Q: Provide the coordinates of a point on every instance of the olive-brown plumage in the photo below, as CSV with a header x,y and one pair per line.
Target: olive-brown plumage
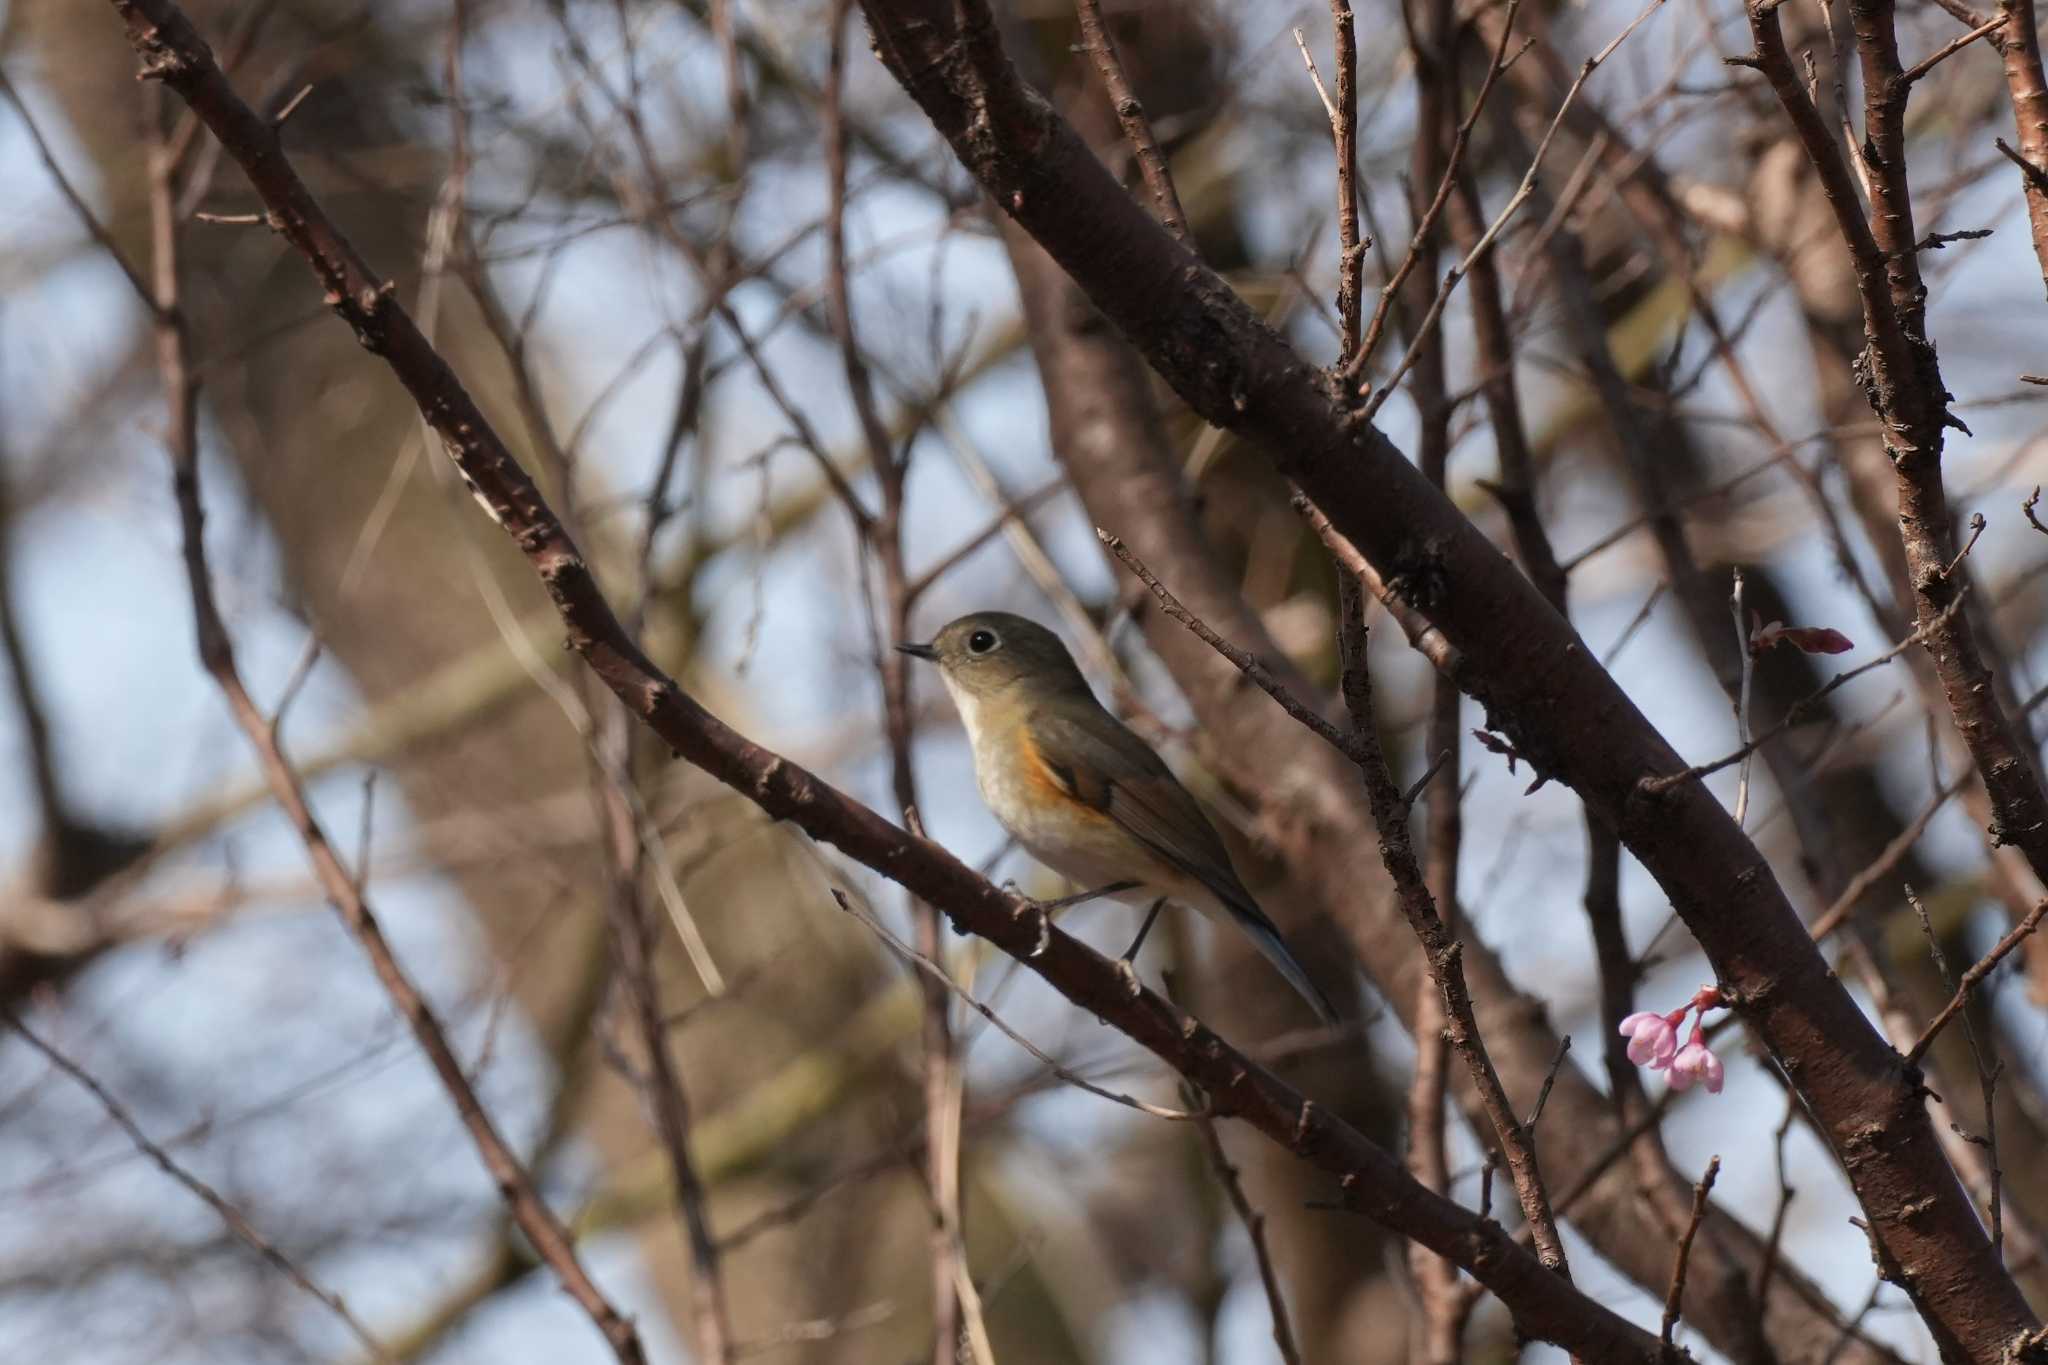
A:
x,y
1079,790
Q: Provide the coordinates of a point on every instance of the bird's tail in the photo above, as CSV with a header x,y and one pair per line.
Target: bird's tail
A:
x,y
1265,936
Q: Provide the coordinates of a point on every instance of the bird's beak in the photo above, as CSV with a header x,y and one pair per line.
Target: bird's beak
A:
x,y
918,651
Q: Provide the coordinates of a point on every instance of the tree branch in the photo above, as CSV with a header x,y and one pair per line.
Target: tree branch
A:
x,y
1540,684
1373,1182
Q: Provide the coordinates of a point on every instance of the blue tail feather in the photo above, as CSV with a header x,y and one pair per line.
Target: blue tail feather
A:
x,y
1266,938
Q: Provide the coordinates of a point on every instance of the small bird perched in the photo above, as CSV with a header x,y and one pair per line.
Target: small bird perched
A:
x,y
1081,792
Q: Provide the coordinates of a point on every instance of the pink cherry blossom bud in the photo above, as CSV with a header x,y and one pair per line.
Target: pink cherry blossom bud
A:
x,y
1816,639
1652,1039
1695,1062
1812,639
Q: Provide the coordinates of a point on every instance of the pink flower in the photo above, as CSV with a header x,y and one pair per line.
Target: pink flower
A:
x,y
1653,1042
1652,1039
1695,1062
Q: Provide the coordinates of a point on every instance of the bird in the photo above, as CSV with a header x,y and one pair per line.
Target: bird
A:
x,y
1082,793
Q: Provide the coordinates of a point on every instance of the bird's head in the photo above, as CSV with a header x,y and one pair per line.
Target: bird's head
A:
x,y
989,653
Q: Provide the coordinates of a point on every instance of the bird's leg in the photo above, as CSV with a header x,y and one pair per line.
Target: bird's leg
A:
x,y
1127,964
1079,897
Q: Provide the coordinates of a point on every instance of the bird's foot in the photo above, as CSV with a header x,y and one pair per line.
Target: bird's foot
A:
x,y
1128,970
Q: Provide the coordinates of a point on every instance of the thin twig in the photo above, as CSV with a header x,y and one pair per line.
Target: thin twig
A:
x,y
1500,220
940,974
1774,1243
1635,623
86,218
1973,977
1246,663
1254,1226
1013,511
1952,47
1435,766
2036,177
1890,857
1747,647
1440,950
1988,1070
1676,1294
237,1223
1977,524
1798,711
1131,114
1344,135
955,1310
1355,362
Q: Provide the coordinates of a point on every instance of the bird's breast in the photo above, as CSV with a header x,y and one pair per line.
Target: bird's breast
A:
x,y
1028,799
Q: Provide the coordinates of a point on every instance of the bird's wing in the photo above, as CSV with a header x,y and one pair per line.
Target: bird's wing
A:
x,y
1102,764
1106,767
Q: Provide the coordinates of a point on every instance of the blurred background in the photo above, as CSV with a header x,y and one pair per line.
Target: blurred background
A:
x,y
629,258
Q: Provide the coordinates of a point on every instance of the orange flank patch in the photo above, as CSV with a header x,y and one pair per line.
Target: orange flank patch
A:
x,y
1036,777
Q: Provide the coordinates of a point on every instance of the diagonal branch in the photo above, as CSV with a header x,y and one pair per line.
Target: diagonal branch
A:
x,y
1373,1182
1540,683
550,1239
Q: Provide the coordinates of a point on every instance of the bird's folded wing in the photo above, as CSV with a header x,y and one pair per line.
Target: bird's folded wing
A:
x,y
1105,766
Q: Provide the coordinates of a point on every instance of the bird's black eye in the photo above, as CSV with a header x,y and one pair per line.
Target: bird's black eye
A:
x,y
982,641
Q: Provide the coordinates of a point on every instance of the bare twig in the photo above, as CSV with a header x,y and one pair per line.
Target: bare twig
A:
x,y
1881,866
1500,220
937,973
1974,976
2037,178
1344,135
237,1222
955,1308
1976,529
1635,623
1444,1307
291,106
1436,765
1440,949
1748,648
1354,363
1247,664
86,218
1254,1226
1774,1243
1013,511
1795,713
1952,47
1988,1070
1676,1294
1131,114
